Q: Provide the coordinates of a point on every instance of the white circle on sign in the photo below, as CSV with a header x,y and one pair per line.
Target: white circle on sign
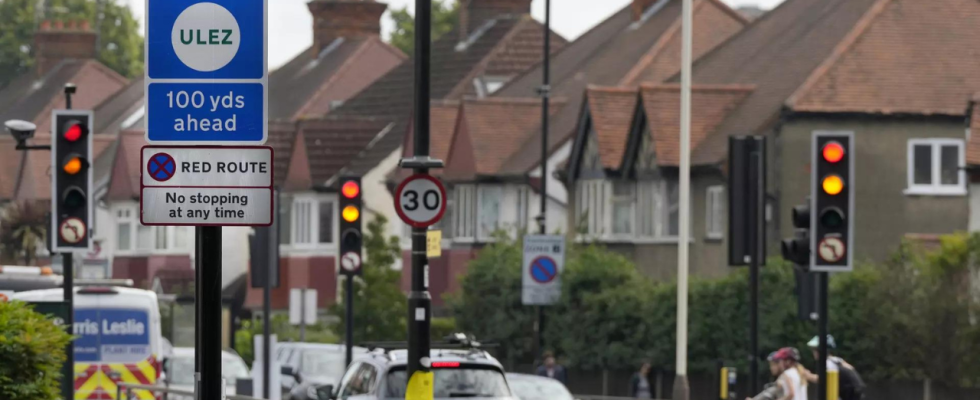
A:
x,y
831,249
420,200
206,37
72,230
350,261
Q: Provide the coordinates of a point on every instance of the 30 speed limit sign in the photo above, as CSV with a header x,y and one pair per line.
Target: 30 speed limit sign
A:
x,y
420,200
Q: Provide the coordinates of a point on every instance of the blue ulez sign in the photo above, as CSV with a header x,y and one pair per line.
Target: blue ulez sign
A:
x,y
111,335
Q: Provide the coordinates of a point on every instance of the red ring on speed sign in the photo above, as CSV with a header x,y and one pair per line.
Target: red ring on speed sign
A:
x,y
398,201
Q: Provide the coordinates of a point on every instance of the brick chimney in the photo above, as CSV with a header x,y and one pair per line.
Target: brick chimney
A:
x,y
641,6
474,13
60,41
344,18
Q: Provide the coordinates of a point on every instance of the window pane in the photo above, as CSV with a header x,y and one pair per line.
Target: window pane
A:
x,y
144,237
622,218
489,210
182,235
285,220
326,222
161,237
949,173
673,209
923,165
124,236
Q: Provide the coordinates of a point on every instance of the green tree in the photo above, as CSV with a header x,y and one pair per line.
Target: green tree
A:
x,y
379,303
445,16
32,348
23,230
120,45
284,331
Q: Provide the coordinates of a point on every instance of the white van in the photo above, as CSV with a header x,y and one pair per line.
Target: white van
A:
x,y
118,337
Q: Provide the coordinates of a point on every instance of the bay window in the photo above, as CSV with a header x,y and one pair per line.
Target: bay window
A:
x,y
464,217
618,210
307,221
623,205
489,206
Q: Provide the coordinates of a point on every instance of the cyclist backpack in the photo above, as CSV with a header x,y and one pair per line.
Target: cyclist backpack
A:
x,y
851,384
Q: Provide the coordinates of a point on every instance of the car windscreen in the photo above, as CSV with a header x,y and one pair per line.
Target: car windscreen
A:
x,y
464,380
534,388
322,363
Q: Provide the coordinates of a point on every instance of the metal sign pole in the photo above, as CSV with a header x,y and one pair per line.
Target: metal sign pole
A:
x,y
68,271
543,218
822,332
349,317
207,354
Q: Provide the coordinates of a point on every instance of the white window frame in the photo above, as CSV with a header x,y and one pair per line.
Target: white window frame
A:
x,y
660,213
590,204
169,238
481,190
936,188
130,220
312,223
714,213
630,202
464,216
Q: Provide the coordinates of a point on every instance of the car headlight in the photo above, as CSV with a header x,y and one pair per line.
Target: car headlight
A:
x,y
311,393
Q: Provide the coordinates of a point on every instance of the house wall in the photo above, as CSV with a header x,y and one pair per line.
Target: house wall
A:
x,y
884,212
974,224
378,200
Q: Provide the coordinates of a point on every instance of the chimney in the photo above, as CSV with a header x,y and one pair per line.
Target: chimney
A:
x,y
344,18
54,44
640,6
473,14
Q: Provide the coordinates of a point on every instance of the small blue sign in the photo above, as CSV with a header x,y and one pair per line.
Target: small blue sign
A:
x,y
544,269
207,71
205,112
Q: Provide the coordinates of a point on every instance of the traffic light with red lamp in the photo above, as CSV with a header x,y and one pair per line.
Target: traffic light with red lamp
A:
x,y
71,181
832,213
350,226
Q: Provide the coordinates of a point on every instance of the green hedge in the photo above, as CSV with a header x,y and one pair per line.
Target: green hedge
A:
x,y
32,350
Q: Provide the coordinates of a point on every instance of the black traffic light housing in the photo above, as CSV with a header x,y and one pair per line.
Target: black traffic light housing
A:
x,y
71,181
797,248
351,214
832,213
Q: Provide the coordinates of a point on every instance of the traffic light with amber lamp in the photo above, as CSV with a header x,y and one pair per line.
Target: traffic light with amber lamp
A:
x,y
350,226
71,181
832,212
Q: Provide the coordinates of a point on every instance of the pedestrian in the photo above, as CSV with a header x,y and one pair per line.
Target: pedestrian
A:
x,y
792,377
849,382
552,369
772,390
640,383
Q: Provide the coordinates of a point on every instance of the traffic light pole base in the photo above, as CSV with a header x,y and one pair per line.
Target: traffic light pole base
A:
x,y
682,391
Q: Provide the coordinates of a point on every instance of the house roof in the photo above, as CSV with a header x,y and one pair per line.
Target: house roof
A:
x,y
442,125
973,139
332,142
777,53
491,130
499,47
124,178
710,104
617,52
299,82
902,57
114,114
611,111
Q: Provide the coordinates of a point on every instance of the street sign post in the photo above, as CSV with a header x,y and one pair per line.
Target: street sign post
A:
x,y
302,309
206,186
207,71
420,200
544,259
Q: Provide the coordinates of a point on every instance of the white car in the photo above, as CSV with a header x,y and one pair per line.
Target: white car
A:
x,y
180,370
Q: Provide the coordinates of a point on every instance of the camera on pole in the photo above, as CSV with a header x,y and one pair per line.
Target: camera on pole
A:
x,y
71,176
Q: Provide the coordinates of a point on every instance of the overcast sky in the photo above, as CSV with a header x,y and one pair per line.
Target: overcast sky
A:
x,y
290,23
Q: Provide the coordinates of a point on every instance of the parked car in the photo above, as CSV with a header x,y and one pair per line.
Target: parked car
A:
x,y
381,374
308,365
180,370
533,387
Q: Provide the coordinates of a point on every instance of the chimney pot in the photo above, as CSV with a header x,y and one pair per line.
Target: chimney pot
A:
x,y
84,25
640,6
59,25
474,13
52,46
333,19
46,25
72,25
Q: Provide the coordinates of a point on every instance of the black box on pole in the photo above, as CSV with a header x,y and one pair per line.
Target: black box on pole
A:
x,y
742,199
264,251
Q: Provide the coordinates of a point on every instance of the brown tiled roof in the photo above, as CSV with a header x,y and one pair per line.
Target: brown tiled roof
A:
x,y
442,125
902,57
616,51
493,129
282,137
124,181
344,68
31,98
777,53
113,111
332,142
453,70
710,104
611,110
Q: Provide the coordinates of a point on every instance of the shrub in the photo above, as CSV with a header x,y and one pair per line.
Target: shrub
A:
x,y
32,348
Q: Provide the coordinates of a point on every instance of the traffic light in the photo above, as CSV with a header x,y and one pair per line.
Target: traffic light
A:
x,y
71,181
832,214
797,248
350,225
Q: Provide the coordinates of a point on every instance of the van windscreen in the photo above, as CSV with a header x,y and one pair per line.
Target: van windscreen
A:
x,y
112,335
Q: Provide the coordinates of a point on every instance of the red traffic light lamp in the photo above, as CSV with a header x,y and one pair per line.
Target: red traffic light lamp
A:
x,y
75,131
350,189
833,152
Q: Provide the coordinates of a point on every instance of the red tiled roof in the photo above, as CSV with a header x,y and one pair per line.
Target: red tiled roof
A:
x,y
710,105
124,181
902,57
611,110
442,125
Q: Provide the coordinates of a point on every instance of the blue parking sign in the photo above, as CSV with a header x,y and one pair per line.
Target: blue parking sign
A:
x,y
207,72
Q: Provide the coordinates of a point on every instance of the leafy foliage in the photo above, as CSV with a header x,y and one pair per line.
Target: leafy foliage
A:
x,y
120,45
23,231
379,305
284,331
32,348
445,15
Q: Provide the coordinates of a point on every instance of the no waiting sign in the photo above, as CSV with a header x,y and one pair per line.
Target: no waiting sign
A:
x,y
544,259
